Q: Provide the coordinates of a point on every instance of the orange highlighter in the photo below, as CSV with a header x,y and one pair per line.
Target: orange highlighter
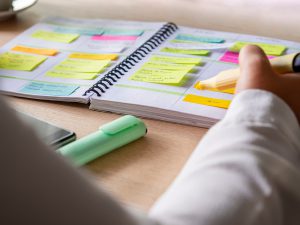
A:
x,y
227,79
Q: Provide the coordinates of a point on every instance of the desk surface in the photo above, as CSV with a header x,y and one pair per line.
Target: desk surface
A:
x,y
141,171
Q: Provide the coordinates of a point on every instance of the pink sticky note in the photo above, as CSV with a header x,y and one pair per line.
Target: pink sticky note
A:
x,y
233,57
113,38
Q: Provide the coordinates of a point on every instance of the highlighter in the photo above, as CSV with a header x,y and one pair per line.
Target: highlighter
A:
x,y
227,79
109,137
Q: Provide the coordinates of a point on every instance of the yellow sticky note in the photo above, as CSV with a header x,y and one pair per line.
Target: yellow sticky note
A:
x,y
39,51
158,76
215,102
78,55
12,61
177,60
86,66
269,49
54,36
186,51
168,66
71,75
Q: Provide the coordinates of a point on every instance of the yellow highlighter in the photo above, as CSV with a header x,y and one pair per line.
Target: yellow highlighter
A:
x,y
227,79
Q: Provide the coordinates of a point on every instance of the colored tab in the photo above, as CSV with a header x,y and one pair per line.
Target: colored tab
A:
x,y
38,88
178,60
215,102
86,66
71,75
269,49
168,66
158,76
188,37
39,51
123,32
79,55
113,38
233,57
186,51
12,61
78,30
54,36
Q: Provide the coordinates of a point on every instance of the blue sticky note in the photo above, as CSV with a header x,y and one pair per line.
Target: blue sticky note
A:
x,y
123,32
38,88
187,37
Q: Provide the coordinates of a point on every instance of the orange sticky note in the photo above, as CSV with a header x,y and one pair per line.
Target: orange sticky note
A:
x,y
39,51
78,55
220,103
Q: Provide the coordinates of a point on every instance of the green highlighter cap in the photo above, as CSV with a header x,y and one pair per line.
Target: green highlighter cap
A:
x,y
109,137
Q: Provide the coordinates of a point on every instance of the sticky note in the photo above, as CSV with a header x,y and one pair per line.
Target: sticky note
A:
x,y
54,36
269,49
39,51
178,60
87,66
188,37
71,75
79,55
23,62
123,32
113,38
77,30
186,51
215,102
168,66
38,88
233,57
158,76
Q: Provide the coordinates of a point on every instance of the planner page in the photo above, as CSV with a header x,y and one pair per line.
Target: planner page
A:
x,y
60,58
162,84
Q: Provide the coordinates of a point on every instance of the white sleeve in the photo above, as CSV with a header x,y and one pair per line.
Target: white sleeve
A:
x,y
244,171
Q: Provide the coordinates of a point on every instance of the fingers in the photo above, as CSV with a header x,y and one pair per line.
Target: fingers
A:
x,y
255,70
254,62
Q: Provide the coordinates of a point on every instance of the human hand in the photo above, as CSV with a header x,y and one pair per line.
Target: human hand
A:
x,y
257,73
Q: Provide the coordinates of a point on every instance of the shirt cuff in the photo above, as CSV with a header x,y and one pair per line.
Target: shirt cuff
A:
x,y
262,107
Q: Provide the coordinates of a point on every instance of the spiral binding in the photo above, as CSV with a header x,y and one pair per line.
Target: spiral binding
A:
x,y
123,67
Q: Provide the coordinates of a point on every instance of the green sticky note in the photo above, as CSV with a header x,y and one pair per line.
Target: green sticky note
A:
x,y
23,62
54,36
177,60
159,76
193,38
71,75
39,88
168,66
269,49
82,65
123,32
186,51
78,30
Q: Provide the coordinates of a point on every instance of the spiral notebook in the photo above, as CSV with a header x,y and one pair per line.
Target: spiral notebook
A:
x,y
127,67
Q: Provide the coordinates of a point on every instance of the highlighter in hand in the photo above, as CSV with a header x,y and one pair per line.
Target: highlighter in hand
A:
x,y
227,79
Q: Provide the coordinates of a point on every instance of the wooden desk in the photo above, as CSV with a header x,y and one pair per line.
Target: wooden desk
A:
x,y
141,171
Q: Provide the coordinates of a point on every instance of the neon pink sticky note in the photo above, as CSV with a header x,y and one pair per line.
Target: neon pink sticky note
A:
x,y
113,38
233,57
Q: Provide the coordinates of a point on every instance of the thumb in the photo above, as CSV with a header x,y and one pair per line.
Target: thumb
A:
x,y
253,61
255,68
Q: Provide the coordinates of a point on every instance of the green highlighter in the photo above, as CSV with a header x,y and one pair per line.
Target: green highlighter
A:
x,y
109,137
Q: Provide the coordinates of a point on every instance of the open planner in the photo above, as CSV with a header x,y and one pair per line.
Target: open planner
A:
x,y
128,67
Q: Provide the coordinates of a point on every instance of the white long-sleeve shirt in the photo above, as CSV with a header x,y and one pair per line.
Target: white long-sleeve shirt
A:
x,y
244,171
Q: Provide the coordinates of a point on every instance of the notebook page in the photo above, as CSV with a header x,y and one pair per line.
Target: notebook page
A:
x,y
60,58
146,85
